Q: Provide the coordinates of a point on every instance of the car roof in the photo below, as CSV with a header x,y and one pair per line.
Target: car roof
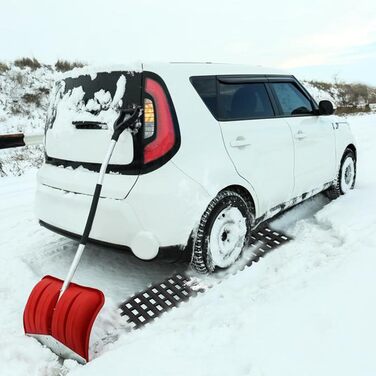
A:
x,y
185,68
209,68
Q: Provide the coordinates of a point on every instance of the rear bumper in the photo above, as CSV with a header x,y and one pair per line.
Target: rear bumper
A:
x,y
171,254
155,219
68,211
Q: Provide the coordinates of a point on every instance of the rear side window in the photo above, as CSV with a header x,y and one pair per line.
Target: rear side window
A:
x,y
206,88
244,101
291,100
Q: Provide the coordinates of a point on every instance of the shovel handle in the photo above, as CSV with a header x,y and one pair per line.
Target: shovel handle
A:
x,y
90,219
120,125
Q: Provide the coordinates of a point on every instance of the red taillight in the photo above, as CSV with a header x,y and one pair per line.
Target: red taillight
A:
x,y
165,136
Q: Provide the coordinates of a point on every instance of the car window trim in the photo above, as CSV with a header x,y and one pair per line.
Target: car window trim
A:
x,y
266,79
241,78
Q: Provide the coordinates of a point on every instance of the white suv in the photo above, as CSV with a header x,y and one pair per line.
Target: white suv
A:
x,y
221,149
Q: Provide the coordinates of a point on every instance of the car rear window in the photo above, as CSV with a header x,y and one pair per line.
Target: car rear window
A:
x,y
244,101
107,83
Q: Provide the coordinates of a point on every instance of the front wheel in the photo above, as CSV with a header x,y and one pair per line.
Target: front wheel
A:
x,y
346,177
223,232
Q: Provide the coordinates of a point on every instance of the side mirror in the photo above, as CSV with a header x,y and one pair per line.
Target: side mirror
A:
x,y
326,108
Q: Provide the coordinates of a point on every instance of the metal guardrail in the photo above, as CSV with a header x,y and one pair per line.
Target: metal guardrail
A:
x,y
15,140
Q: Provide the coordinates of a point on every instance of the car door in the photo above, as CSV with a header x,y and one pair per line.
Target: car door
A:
x,y
259,144
313,136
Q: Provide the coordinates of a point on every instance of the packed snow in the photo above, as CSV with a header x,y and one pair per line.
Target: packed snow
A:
x,y
305,309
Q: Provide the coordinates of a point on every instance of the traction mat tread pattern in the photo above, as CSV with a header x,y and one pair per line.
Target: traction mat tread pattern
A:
x,y
152,302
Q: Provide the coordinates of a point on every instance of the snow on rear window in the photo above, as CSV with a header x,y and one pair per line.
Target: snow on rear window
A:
x,y
91,98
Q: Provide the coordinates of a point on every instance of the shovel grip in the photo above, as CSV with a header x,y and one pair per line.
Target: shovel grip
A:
x,y
90,219
91,216
97,194
84,239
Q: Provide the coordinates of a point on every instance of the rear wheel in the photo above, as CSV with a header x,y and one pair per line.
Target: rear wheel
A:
x,y
346,177
223,232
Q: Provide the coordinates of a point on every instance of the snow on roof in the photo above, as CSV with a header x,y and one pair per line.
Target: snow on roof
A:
x,y
187,67
92,70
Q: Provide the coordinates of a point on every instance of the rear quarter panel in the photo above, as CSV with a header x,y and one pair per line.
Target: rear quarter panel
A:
x,y
202,154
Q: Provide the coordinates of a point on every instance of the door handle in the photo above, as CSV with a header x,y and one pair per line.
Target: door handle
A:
x,y
239,142
300,135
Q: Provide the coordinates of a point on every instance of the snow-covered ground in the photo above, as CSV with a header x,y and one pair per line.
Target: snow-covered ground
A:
x,y
24,98
23,105
307,308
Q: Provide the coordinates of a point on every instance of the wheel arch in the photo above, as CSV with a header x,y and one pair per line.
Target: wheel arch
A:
x,y
352,148
244,192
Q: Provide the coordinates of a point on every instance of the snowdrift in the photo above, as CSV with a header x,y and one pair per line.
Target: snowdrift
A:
x,y
306,309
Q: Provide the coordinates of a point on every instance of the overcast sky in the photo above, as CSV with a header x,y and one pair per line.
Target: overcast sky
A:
x,y
313,39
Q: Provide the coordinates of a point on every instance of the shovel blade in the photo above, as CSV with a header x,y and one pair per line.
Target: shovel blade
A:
x,y
63,325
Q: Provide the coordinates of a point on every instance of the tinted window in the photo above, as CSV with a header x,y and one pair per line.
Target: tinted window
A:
x,y
291,99
206,88
244,101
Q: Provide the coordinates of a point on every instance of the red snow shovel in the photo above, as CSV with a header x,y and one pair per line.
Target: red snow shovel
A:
x,y
60,314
